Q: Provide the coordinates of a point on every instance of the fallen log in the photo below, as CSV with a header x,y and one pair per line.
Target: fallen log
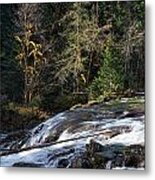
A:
x,y
107,134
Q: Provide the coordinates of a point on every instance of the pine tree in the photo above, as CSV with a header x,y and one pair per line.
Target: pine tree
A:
x,y
11,83
80,34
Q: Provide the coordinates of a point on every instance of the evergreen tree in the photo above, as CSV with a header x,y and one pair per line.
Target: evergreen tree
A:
x,y
11,79
80,35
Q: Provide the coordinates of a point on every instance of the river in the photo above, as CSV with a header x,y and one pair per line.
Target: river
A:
x,y
84,137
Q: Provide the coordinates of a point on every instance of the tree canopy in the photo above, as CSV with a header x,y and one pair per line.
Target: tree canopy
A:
x,y
53,53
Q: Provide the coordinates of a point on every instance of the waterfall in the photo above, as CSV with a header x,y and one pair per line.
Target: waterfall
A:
x,y
72,132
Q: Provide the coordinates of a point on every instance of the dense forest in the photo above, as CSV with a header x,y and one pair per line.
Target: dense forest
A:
x,y
56,55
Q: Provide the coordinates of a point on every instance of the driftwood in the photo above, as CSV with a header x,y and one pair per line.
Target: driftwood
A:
x,y
107,134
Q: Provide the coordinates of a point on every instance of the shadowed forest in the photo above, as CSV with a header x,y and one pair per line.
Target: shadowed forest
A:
x,y
73,74
56,55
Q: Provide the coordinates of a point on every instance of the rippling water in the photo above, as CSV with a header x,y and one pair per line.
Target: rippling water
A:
x,y
71,132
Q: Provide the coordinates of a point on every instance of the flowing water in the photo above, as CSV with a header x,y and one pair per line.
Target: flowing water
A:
x,y
72,134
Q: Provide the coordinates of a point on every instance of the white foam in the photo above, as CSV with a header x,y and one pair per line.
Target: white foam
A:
x,y
39,156
127,168
32,156
46,128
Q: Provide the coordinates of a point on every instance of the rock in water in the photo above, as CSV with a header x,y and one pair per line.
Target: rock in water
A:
x,y
23,164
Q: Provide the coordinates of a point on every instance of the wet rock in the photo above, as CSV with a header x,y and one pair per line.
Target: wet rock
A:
x,y
98,161
24,164
133,161
40,127
86,163
52,138
118,161
14,140
134,156
63,163
95,155
129,156
118,155
132,114
107,155
94,146
82,162
118,112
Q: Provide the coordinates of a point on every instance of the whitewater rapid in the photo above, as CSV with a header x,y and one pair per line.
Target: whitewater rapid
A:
x,y
65,126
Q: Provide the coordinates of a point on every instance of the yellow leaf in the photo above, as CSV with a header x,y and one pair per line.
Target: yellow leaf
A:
x,y
18,39
39,53
83,78
33,44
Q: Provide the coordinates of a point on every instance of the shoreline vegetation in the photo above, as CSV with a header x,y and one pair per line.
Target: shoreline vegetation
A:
x,y
18,117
